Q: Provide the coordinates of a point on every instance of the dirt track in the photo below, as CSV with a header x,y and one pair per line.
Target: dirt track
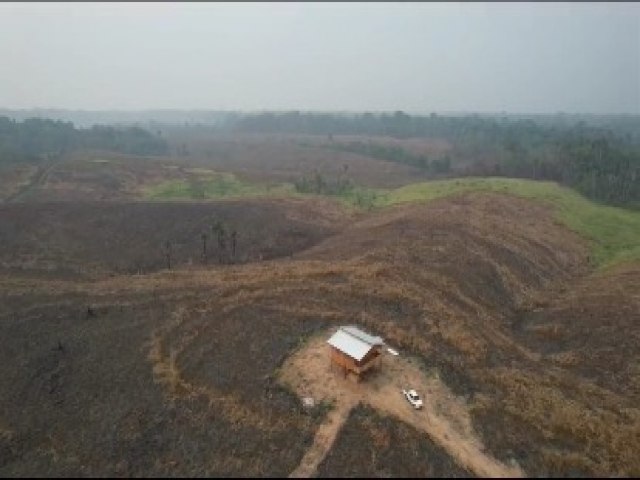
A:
x,y
37,179
324,439
444,418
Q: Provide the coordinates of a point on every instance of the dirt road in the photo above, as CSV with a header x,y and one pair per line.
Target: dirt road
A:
x,y
38,179
323,440
445,418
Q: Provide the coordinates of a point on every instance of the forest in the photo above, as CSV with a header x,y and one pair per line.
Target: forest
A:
x,y
37,139
600,158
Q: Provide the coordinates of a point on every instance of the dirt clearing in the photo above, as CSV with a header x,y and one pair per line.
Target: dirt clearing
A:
x,y
445,417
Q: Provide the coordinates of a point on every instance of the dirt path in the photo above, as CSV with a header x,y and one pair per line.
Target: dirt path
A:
x,y
323,440
445,417
37,179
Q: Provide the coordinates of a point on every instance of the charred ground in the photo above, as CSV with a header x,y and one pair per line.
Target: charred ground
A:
x,y
93,238
174,372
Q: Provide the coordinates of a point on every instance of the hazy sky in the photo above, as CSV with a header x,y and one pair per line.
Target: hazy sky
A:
x,y
417,57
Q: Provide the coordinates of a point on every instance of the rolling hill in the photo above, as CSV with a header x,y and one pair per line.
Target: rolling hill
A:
x,y
179,372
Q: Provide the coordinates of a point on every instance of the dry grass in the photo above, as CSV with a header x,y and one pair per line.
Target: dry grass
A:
x,y
568,412
445,282
455,323
283,158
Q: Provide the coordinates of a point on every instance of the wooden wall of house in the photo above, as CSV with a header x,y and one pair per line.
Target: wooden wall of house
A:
x,y
342,360
370,356
345,361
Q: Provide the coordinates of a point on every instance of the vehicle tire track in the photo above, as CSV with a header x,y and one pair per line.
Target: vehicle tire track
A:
x,y
323,440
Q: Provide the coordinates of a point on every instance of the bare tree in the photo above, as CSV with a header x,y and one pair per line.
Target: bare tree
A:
x,y
222,239
167,253
222,242
204,247
234,240
218,230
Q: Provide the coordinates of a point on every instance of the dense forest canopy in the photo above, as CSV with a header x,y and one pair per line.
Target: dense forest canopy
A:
x,y
37,138
402,125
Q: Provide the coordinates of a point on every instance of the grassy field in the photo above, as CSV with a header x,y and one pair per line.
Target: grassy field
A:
x,y
471,286
208,185
614,232
112,363
213,185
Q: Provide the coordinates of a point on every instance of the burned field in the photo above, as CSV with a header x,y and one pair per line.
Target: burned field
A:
x,y
175,372
371,445
283,158
90,403
85,176
93,238
265,160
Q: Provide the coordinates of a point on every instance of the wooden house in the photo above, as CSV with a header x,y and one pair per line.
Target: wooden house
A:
x,y
354,352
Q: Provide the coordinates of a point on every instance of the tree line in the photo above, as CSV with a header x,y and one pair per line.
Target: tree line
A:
x,y
601,159
393,153
35,139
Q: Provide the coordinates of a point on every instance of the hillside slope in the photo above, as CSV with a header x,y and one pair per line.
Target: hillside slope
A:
x,y
470,285
98,238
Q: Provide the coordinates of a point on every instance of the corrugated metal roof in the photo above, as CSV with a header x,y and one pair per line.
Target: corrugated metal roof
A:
x,y
354,342
356,332
352,346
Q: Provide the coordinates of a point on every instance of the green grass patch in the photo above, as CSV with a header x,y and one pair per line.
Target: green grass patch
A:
x,y
614,232
363,198
214,186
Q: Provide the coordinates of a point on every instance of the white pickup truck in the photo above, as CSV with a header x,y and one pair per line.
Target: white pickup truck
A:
x,y
413,398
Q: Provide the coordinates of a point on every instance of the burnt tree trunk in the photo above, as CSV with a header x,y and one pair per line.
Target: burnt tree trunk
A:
x,y
234,239
204,247
167,253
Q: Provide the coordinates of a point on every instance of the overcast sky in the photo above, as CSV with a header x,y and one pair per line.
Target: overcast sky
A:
x,y
416,57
